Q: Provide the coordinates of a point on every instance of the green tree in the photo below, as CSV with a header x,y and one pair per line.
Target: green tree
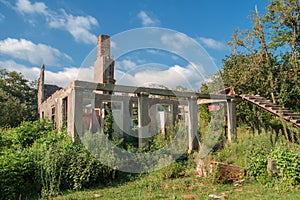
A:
x,y
283,20
265,58
18,99
283,17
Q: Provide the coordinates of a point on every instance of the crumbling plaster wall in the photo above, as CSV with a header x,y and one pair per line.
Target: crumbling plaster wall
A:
x,y
61,103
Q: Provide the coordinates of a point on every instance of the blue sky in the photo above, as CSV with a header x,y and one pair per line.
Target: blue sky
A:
x,y
62,33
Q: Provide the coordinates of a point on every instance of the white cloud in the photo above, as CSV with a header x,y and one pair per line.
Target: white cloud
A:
x,y
34,53
188,77
113,44
26,7
125,65
61,78
29,73
78,26
211,43
147,20
176,75
176,41
67,75
190,50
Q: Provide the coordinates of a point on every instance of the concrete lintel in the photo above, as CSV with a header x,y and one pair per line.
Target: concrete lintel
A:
x,y
152,101
153,91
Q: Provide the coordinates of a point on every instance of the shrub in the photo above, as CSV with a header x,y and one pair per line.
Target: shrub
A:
x,y
17,171
40,161
288,163
24,135
257,167
28,132
65,165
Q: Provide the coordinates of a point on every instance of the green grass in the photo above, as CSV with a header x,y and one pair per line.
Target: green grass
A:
x,y
187,184
153,187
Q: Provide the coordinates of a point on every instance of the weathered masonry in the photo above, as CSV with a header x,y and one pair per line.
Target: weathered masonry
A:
x,y
80,106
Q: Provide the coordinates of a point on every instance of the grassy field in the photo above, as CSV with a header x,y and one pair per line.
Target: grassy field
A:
x,y
38,163
171,183
189,186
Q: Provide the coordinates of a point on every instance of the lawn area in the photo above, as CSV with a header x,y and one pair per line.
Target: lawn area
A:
x,y
52,166
189,186
181,181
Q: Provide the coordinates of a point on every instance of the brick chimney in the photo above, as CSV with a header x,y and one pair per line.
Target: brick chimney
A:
x,y
103,45
104,65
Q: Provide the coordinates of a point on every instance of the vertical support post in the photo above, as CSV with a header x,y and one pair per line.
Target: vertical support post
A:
x,y
174,112
193,123
77,111
59,118
97,123
231,119
70,124
225,119
143,119
126,116
153,114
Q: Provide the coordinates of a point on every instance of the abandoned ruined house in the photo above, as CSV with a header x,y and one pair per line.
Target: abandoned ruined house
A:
x,y
60,104
79,107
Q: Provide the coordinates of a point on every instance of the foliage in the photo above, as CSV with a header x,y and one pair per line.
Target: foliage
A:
x,y
252,152
126,155
65,165
53,164
265,59
156,185
283,16
38,161
101,147
18,99
24,135
175,169
161,140
17,169
108,122
28,132
257,164
288,162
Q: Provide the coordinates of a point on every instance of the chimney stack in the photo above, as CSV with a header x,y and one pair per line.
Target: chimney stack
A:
x,y
104,65
103,45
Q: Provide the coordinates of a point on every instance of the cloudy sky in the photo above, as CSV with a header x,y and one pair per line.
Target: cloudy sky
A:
x,y
63,36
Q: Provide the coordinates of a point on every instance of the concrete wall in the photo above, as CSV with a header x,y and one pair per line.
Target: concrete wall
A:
x,y
58,107
80,101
